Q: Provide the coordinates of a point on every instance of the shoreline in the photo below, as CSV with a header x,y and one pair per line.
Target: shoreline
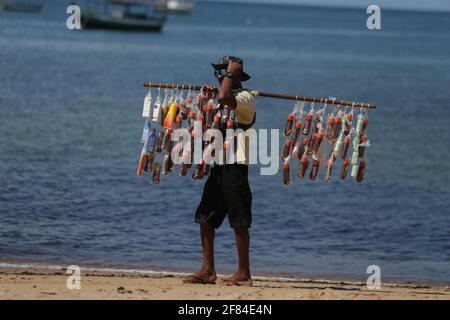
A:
x,y
35,282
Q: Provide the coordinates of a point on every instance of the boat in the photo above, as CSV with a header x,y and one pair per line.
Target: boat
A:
x,y
174,6
124,19
21,6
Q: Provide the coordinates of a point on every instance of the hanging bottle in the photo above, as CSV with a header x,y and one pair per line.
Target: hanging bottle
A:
x,y
314,169
142,162
307,126
304,163
345,148
156,173
147,104
198,172
157,108
302,148
149,163
318,137
329,171
361,171
344,169
159,141
288,125
286,174
297,131
362,146
286,149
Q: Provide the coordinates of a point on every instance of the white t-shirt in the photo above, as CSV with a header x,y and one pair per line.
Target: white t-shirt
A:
x,y
245,112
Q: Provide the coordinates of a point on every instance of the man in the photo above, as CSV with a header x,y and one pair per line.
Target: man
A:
x,y
227,190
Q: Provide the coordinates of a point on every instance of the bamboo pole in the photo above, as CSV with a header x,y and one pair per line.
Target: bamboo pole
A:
x,y
269,95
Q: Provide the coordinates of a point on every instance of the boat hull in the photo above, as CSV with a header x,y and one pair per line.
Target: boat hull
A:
x,y
21,7
97,21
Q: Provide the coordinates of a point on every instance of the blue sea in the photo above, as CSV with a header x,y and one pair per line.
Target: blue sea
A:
x,y
70,129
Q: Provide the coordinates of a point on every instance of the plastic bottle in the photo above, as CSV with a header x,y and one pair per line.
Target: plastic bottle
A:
x,y
302,148
318,137
166,139
142,160
345,147
361,171
329,171
311,144
362,146
330,123
286,149
304,163
149,163
156,173
170,117
288,125
314,169
286,174
198,172
165,165
147,104
297,131
157,108
344,169
159,141
307,126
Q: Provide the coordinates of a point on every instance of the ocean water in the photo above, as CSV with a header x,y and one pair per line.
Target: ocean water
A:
x,y
70,128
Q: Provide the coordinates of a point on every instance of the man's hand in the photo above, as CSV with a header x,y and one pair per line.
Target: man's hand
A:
x,y
234,67
209,91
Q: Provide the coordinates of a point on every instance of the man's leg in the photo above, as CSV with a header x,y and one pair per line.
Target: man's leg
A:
x,y
207,273
242,245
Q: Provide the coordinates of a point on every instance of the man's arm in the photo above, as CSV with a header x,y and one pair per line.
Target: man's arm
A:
x,y
225,96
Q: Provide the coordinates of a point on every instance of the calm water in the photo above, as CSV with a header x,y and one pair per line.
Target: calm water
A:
x,y
70,127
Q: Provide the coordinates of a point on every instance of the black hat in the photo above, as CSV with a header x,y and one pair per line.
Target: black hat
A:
x,y
223,64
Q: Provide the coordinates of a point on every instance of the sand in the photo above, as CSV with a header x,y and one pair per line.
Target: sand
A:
x,y
35,284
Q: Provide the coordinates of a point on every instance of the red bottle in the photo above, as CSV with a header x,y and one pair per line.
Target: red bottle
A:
x,y
286,149
344,169
302,148
361,149
307,126
304,163
317,141
288,126
344,150
314,170
286,174
298,128
361,171
330,124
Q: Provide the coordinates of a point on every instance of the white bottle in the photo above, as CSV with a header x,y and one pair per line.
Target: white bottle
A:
x,y
147,104
157,108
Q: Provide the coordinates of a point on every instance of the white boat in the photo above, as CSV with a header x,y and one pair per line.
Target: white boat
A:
x,y
174,6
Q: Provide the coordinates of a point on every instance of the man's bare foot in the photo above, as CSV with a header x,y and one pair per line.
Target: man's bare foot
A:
x,y
238,279
201,277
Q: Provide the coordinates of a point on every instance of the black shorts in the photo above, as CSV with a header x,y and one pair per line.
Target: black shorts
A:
x,y
226,191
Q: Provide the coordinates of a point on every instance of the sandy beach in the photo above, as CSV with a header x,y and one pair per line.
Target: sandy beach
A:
x,y
36,284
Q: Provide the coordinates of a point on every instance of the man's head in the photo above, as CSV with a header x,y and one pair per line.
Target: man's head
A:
x,y
229,64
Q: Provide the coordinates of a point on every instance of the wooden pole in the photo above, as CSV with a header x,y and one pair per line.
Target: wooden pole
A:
x,y
269,95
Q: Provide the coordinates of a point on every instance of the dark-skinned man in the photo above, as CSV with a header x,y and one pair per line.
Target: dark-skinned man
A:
x,y
227,191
